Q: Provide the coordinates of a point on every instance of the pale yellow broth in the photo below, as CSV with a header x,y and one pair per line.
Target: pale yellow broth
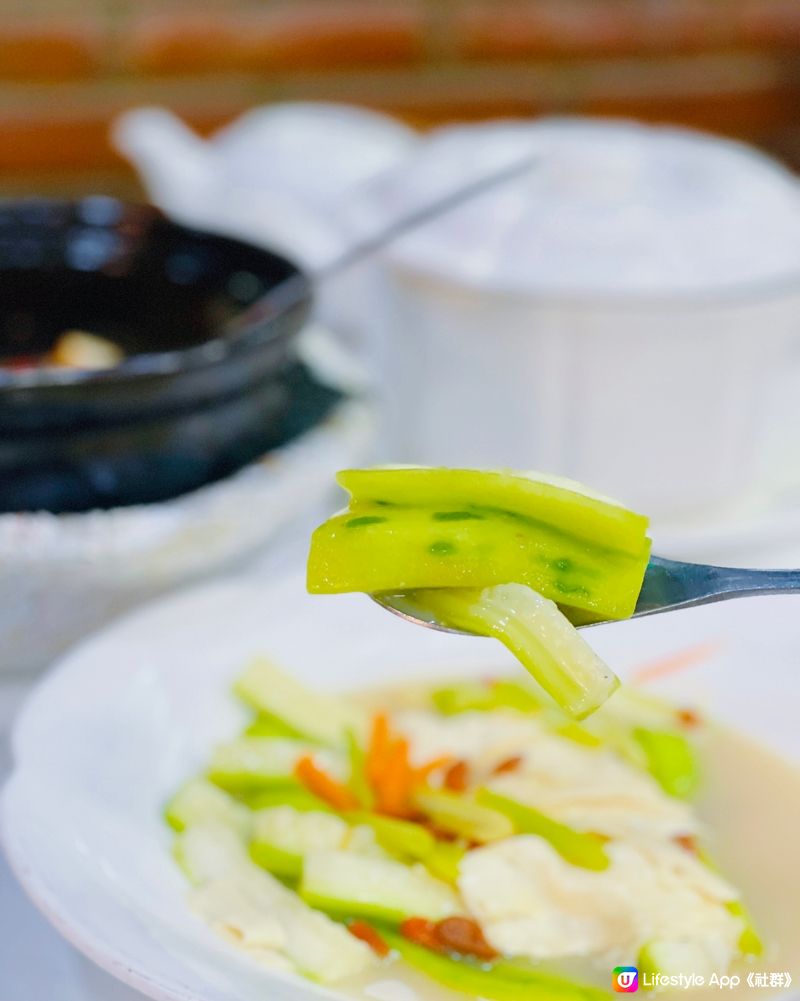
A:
x,y
750,802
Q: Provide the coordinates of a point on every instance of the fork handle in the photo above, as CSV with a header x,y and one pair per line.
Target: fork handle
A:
x,y
671,584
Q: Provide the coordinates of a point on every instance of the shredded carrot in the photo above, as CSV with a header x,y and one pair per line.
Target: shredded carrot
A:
x,y
674,663
379,743
361,930
329,789
457,777
509,765
424,772
394,787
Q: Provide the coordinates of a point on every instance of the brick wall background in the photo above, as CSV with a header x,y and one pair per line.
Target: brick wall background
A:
x,y
67,67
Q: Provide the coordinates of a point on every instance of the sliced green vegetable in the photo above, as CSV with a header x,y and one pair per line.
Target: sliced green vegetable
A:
x,y
200,802
577,734
473,696
290,792
577,847
431,528
253,763
536,632
463,816
273,692
672,959
402,838
265,725
670,759
358,783
283,836
349,885
750,943
281,863
209,851
445,859
502,981
235,893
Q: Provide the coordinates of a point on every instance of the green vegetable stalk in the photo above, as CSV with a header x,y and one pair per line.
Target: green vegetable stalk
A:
x,y
577,847
501,981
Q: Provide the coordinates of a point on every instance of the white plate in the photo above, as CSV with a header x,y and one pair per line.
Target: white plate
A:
x,y
110,733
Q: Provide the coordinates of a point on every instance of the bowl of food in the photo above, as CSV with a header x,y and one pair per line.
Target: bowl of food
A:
x,y
281,793
118,383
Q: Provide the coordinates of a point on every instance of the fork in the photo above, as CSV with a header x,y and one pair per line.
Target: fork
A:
x,y
668,585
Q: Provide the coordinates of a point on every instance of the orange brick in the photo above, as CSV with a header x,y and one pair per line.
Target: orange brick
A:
x,y
181,42
748,115
523,28
305,36
774,23
50,50
563,28
33,143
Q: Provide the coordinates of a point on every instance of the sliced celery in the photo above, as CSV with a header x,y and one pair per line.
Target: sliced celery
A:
x,y
281,863
750,943
199,802
577,847
290,792
472,696
670,760
402,838
462,816
350,885
319,717
460,528
282,836
266,725
445,859
233,893
536,632
252,763
500,981
358,783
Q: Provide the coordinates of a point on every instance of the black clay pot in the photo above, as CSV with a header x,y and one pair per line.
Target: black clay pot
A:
x,y
187,405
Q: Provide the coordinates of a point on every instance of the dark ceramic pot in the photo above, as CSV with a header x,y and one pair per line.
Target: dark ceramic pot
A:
x,y
189,403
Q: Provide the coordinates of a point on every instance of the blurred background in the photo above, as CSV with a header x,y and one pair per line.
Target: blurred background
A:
x,y
730,66
626,312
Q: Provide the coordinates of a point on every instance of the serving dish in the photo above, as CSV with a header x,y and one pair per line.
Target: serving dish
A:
x,y
98,751
185,406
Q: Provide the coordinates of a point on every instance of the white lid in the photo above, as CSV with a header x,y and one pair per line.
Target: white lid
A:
x,y
611,207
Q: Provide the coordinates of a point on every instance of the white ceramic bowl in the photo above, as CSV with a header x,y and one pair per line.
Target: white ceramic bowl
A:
x,y
112,730
624,313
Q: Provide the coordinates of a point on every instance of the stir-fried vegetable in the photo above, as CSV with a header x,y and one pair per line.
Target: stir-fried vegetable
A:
x,y
494,553
350,885
279,696
497,982
670,760
581,849
302,834
535,631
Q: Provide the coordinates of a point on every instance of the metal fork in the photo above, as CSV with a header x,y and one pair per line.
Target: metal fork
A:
x,y
668,585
